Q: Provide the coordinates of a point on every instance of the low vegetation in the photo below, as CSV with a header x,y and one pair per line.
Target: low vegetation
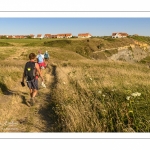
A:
x,y
110,52
82,94
102,97
5,44
145,39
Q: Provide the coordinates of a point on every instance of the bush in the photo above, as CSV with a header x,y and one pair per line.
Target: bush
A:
x,y
100,46
57,43
5,44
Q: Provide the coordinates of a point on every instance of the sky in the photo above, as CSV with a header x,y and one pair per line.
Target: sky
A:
x,y
94,26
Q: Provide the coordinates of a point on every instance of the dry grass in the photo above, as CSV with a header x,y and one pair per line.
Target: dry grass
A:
x,y
92,98
82,95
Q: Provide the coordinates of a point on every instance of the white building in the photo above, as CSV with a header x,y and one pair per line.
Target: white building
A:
x,y
119,35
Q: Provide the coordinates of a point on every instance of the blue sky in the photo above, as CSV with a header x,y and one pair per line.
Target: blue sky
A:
x,y
95,26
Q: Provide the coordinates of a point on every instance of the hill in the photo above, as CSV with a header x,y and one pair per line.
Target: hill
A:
x,y
83,94
131,49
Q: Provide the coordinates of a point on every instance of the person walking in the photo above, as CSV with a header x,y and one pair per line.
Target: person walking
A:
x,y
40,60
32,72
46,58
46,55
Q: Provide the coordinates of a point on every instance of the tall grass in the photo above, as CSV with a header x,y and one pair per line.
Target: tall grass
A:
x,y
6,52
15,115
87,95
101,97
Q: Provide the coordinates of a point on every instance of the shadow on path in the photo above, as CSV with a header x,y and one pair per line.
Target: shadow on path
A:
x,y
6,91
47,112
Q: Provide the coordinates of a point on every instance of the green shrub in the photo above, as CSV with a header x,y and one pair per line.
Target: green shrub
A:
x,y
57,43
5,44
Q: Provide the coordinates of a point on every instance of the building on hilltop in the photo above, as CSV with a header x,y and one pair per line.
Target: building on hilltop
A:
x,y
119,35
54,36
65,35
32,35
47,36
19,36
39,36
16,36
10,36
84,35
6,36
22,37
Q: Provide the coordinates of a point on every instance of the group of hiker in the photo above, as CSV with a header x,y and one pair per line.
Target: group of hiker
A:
x,y
42,59
32,72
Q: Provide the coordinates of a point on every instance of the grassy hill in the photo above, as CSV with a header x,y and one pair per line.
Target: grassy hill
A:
x,y
82,94
145,39
84,47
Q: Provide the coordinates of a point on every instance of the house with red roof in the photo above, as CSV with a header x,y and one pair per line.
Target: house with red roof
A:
x,y
84,35
32,35
9,36
39,36
54,36
65,35
119,35
47,36
16,36
23,36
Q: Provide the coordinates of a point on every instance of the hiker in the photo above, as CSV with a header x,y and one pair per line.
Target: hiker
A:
x,y
46,58
46,55
40,60
32,73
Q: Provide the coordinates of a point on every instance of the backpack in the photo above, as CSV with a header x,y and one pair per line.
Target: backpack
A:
x,y
46,55
40,59
29,70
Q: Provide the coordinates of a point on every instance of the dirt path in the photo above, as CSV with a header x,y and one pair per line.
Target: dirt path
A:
x,y
38,118
43,109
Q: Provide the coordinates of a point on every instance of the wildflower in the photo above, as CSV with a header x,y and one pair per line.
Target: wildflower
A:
x,y
100,92
103,95
133,94
128,97
113,90
136,94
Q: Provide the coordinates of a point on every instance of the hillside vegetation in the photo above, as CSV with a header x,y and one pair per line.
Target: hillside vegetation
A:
x,y
145,39
83,94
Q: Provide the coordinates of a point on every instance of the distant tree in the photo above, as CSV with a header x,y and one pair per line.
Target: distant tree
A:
x,y
29,37
74,37
3,37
